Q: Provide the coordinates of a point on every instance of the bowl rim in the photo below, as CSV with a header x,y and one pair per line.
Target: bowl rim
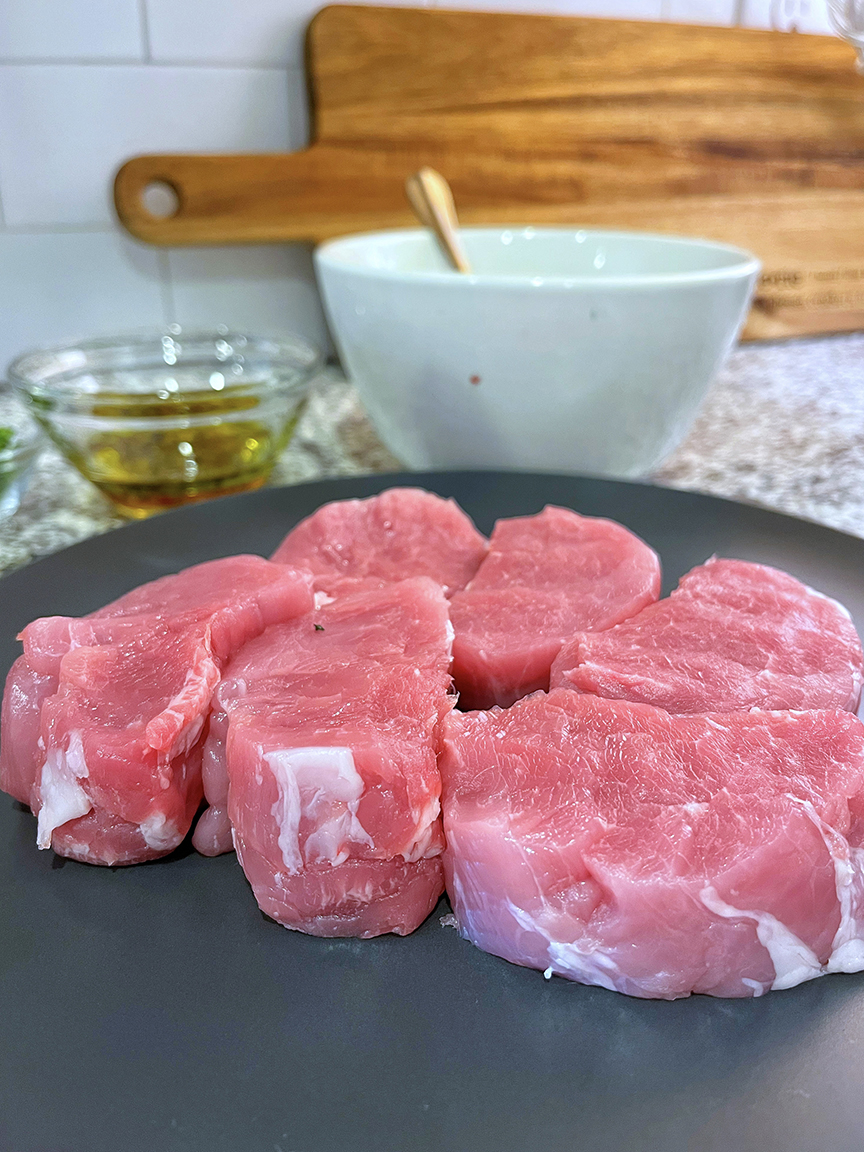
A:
x,y
303,356
327,256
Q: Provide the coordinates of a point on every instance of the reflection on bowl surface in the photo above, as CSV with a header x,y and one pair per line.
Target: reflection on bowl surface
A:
x,y
160,419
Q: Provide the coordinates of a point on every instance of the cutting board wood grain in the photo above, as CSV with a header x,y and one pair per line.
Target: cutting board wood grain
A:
x,y
752,137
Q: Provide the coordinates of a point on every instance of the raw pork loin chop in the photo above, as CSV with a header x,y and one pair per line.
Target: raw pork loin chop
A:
x,y
658,855
546,577
330,730
732,635
402,532
103,716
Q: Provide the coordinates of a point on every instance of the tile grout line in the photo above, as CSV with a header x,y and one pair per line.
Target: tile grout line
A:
x,y
138,62
58,229
144,27
70,61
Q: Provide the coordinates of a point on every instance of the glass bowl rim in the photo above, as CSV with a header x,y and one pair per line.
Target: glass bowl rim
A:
x,y
298,355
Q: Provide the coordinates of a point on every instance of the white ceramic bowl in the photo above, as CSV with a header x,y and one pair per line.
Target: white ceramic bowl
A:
x,y
565,351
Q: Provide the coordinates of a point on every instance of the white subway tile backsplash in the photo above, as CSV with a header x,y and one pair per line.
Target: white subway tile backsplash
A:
x,y
787,15
701,11
226,76
264,32
59,286
609,9
65,129
298,108
267,289
613,9
94,29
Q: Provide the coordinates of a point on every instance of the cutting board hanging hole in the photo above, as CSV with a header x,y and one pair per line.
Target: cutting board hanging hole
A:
x,y
160,199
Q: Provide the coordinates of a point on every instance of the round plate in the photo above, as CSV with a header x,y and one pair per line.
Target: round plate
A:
x,y
155,1009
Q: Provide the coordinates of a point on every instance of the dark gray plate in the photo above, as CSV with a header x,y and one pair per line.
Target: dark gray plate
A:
x,y
154,1009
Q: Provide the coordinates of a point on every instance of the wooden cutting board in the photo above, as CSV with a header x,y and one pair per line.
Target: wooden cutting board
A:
x,y
756,138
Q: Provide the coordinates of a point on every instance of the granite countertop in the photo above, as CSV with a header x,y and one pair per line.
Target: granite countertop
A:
x,y
782,426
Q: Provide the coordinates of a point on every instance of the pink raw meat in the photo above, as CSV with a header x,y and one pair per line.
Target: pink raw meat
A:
x,y
104,716
333,729
732,635
658,855
35,676
20,755
402,532
545,577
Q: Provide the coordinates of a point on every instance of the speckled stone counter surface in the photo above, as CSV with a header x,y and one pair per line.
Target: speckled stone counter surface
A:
x,y
783,426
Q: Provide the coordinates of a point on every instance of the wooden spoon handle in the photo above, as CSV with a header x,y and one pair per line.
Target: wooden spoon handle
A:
x,y
430,197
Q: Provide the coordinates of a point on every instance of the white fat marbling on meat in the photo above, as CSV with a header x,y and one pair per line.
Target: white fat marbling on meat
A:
x,y
192,700
855,694
479,920
759,989
847,948
62,796
159,832
425,819
587,965
324,786
419,848
793,961
186,738
695,810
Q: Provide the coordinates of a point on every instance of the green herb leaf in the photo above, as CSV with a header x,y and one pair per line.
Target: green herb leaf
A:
x,y
6,437
319,627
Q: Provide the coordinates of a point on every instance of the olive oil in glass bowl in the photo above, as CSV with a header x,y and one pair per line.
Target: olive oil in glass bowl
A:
x,y
156,420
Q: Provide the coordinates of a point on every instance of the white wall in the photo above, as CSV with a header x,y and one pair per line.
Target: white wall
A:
x,y
86,83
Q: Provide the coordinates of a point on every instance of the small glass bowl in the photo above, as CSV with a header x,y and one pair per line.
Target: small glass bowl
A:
x,y
20,442
159,419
